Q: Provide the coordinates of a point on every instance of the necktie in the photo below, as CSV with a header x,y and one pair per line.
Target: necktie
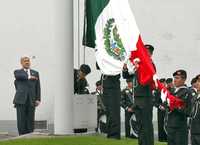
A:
x,y
26,70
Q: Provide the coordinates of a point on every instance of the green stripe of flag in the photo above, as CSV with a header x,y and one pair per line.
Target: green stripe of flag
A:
x,y
93,9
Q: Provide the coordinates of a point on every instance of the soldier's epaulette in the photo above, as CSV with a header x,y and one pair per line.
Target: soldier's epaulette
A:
x,y
183,93
193,93
126,91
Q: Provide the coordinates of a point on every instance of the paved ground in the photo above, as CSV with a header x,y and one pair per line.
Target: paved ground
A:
x,y
5,135
31,135
9,131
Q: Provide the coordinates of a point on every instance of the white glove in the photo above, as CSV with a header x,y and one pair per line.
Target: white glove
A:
x,y
136,62
155,78
168,101
163,95
131,67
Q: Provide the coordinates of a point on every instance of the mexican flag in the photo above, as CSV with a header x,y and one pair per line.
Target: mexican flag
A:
x,y
110,29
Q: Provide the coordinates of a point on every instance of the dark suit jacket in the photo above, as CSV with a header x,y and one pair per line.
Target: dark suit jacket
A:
x,y
26,88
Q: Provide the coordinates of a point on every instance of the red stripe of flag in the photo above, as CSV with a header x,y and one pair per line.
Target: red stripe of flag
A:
x,y
146,71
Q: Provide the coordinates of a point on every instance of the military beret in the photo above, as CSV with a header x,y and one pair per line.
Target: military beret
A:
x,y
162,80
181,73
149,47
169,80
85,69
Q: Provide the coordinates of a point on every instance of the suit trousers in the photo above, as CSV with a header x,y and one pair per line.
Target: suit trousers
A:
x,y
25,117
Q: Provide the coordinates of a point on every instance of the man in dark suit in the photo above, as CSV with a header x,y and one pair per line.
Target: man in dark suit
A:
x,y
27,96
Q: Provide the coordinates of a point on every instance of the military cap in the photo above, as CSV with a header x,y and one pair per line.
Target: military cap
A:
x,y
194,80
169,80
85,69
129,80
98,83
198,77
162,80
149,47
181,73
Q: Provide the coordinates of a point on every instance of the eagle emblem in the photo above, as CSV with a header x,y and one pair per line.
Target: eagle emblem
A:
x,y
112,41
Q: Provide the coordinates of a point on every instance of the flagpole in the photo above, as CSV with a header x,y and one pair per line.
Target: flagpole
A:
x,y
79,47
84,31
63,67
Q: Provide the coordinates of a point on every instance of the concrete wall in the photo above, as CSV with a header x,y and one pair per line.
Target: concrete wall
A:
x,y
27,27
173,28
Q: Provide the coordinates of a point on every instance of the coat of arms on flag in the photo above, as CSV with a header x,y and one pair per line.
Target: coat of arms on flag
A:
x,y
112,41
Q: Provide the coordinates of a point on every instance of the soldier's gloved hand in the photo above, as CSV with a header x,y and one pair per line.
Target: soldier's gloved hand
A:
x,y
189,121
163,95
136,62
130,109
161,107
125,68
37,103
155,79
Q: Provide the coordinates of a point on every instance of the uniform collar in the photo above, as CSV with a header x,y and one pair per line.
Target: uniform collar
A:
x,y
178,88
195,89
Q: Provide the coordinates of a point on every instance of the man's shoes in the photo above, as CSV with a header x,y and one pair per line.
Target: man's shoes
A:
x,y
162,140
